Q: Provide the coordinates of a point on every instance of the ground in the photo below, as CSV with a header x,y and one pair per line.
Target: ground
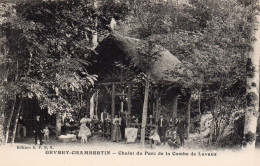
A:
x,y
194,142
117,154
94,141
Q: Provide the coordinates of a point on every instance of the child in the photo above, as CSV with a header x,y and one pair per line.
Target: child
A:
x,y
84,131
46,134
154,137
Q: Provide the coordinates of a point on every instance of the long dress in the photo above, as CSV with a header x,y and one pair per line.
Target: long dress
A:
x,y
84,130
116,134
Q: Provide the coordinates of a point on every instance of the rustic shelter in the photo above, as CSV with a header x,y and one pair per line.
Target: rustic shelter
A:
x,y
155,61
149,58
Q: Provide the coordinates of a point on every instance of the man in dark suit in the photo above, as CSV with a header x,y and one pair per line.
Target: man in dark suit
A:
x,y
21,125
38,130
162,127
181,130
124,122
104,117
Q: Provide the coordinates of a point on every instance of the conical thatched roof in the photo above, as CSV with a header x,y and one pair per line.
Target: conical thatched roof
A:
x,y
159,62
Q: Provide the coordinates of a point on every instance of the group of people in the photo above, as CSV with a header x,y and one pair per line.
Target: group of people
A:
x,y
159,135
118,127
40,132
119,123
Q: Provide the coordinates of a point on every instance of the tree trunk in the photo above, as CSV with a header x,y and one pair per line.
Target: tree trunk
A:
x,y
16,120
9,121
145,110
94,41
129,104
154,108
113,106
187,114
122,98
252,92
174,108
199,103
58,124
92,106
81,102
157,104
96,105
87,106
212,130
2,111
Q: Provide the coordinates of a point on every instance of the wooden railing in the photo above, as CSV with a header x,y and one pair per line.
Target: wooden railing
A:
x,y
148,128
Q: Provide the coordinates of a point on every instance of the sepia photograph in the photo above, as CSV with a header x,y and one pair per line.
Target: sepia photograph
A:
x,y
129,82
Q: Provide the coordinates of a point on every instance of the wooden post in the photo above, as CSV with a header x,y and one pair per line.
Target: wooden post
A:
x,y
113,101
129,103
145,109
113,106
187,113
174,108
122,97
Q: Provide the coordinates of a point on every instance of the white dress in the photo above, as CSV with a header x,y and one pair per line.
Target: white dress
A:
x,y
84,131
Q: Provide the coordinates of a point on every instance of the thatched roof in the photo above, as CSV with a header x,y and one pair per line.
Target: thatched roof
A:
x,y
159,62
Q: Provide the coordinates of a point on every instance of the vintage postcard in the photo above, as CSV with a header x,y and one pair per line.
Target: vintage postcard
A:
x,y
129,82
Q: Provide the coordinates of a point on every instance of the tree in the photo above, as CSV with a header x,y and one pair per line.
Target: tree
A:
x,y
211,39
51,42
252,90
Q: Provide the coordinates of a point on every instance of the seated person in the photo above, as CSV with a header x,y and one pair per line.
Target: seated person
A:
x,y
174,142
154,137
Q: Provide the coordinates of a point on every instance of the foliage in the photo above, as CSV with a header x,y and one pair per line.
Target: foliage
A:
x,y
48,45
51,43
211,39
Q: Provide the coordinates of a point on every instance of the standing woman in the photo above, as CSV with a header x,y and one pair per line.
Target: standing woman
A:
x,y
84,131
116,134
